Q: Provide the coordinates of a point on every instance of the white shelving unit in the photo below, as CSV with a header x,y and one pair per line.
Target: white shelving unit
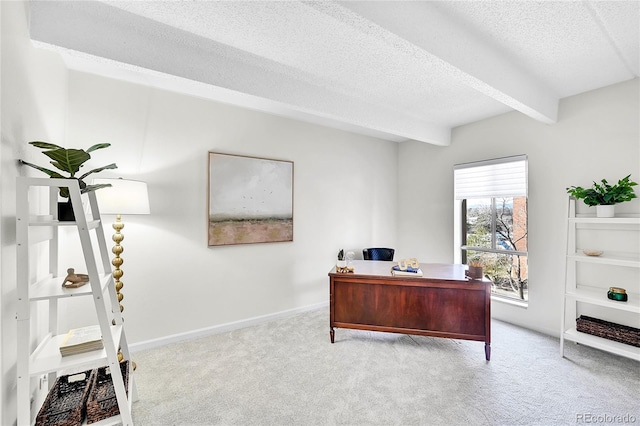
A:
x,y
621,232
38,356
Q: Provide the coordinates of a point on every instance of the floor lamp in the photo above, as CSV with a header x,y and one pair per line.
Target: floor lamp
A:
x,y
123,197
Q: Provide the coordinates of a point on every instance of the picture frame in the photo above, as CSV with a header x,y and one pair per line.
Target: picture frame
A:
x,y
249,200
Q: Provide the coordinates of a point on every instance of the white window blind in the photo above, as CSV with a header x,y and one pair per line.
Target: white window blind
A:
x,y
500,177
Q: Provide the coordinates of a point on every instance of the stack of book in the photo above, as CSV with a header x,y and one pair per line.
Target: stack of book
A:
x,y
79,340
407,272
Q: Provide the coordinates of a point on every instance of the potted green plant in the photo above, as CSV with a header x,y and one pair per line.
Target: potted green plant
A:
x,y
475,270
604,196
475,266
69,160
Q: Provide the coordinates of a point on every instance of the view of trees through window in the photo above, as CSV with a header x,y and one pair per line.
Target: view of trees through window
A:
x,y
496,236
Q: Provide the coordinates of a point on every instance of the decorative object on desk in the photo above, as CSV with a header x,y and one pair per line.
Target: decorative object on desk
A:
x,y
411,272
405,264
618,294
102,402
73,280
69,160
594,253
79,340
407,268
604,196
347,269
250,200
341,262
349,257
475,271
65,404
609,330
124,196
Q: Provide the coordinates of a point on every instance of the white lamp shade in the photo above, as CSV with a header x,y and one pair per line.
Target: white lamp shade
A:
x,y
122,197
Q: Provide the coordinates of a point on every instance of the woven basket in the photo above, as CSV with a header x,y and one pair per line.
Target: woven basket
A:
x,y
609,330
65,403
102,402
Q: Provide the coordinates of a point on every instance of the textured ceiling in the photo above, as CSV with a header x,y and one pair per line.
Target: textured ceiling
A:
x,y
392,69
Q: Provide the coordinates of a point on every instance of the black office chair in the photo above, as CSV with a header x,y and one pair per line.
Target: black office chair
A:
x,y
378,253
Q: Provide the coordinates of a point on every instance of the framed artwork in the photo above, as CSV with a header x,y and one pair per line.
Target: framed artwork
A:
x,y
250,200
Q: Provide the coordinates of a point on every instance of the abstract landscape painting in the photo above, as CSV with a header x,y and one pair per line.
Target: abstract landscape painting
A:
x,y
250,200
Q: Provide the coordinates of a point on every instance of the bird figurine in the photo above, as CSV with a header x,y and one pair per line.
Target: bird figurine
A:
x,y
73,280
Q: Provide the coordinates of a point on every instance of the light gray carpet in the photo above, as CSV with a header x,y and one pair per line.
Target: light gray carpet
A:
x,y
287,372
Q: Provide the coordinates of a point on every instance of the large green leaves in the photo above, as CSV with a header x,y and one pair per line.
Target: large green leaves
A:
x,y
51,173
99,169
45,145
98,146
70,161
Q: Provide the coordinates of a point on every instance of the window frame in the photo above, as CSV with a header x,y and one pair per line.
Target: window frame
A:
x,y
464,247
461,248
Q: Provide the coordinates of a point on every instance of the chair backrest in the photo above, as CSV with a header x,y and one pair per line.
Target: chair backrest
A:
x,y
378,253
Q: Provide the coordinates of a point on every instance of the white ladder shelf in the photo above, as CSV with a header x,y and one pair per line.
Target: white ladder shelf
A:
x,y
45,357
579,296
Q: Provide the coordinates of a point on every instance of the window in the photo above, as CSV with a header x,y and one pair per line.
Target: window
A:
x,y
491,206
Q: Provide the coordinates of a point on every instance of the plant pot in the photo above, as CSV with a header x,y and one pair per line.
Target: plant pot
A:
x,y
475,272
341,263
605,211
65,212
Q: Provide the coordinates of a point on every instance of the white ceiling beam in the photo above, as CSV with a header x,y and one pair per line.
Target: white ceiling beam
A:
x,y
97,29
474,62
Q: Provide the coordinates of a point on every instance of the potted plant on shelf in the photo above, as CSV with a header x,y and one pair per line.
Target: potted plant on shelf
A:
x,y
604,196
69,160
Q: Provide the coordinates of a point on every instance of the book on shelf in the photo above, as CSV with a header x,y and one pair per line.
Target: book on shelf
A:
x,y
408,272
83,339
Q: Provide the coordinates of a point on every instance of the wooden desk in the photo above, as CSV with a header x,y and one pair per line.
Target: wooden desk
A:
x,y
442,303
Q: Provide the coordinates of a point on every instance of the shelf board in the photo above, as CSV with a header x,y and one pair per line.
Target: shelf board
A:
x,y
40,234
599,297
618,259
47,358
621,349
620,220
51,288
91,224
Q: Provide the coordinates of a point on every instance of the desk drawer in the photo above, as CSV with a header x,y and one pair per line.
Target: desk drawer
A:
x,y
446,310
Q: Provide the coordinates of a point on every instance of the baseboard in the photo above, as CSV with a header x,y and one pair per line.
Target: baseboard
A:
x,y
541,330
222,328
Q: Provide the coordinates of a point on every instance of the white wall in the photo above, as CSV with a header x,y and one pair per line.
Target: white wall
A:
x,y
344,191
596,137
33,87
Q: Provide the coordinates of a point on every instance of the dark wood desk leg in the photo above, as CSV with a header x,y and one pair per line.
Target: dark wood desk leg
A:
x,y
332,334
487,351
